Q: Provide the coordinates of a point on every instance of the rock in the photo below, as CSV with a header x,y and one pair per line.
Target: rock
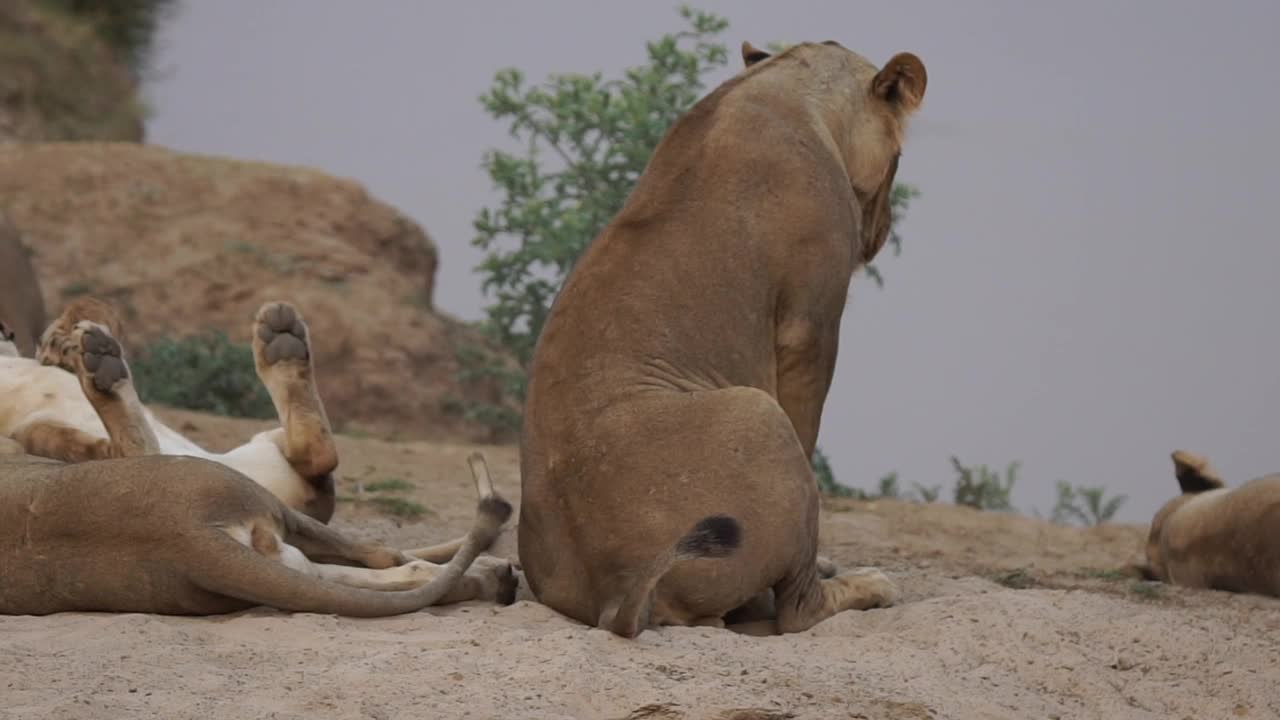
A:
x,y
183,242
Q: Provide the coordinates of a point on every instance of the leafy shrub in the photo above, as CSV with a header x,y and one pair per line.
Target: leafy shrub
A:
x,y
127,26
204,372
1086,505
979,487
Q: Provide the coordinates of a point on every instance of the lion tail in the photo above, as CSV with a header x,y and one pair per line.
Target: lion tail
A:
x,y
714,536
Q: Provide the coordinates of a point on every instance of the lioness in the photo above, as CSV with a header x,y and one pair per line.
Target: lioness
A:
x,y
50,414
1214,537
676,389
187,536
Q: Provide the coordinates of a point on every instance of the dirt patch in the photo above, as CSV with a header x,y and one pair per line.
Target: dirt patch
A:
x,y
1004,617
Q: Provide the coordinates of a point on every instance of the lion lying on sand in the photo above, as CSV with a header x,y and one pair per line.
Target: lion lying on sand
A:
x,y
55,409
149,532
188,536
1214,537
52,414
677,385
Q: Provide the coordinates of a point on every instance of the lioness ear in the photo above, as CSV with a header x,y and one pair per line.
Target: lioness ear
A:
x,y
901,82
752,54
1194,474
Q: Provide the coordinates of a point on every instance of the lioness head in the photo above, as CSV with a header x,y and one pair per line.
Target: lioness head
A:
x,y
55,342
872,130
1194,477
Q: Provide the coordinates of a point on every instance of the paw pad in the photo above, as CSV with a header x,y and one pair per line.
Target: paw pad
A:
x,y
102,359
283,335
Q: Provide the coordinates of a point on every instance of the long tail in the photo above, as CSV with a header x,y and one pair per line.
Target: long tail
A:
x,y
238,571
714,536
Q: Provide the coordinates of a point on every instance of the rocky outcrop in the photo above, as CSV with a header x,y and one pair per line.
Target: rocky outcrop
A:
x,y
182,243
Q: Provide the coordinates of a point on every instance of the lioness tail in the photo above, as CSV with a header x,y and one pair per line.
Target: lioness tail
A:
x,y
714,536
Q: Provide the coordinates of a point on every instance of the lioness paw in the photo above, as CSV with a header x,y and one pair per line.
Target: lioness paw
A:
x,y
100,357
280,335
879,590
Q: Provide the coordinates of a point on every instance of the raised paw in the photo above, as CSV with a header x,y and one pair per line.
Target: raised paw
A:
x,y
101,360
280,335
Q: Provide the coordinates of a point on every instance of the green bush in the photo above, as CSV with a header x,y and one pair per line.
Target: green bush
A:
x,y
204,372
1086,505
128,26
979,487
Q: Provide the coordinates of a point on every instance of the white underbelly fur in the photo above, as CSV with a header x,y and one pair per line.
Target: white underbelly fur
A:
x,y
31,392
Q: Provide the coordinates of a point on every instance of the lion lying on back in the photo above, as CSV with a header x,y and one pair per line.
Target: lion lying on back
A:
x,y
1214,537
44,407
56,407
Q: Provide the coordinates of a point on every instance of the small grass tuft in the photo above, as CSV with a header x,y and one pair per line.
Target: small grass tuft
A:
x,y
399,507
1018,579
1147,589
1110,575
389,485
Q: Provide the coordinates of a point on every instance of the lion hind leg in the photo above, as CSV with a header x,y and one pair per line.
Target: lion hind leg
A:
x,y
284,361
98,361
60,442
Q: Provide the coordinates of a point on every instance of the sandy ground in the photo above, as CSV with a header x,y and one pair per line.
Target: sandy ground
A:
x,y
1003,617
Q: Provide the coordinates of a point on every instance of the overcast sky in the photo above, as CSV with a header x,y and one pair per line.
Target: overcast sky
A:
x,y
1089,281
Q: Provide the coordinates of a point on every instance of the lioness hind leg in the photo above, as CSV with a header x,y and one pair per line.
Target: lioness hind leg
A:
x,y
441,553
319,542
60,442
805,600
98,362
283,358
445,551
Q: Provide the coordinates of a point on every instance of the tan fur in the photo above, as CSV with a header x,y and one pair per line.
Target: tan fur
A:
x,y
63,416
188,536
677,387
52,412
1214,537
21,303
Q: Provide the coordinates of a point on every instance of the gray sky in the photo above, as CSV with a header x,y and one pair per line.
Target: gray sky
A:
x,y
1088,282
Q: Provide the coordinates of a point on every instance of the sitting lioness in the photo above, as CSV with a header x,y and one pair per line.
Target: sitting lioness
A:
x,y
1214,537
51,414
187,536
677,385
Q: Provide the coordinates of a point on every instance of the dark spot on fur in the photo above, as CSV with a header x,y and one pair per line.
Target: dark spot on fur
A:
x,y
713,536
1193,481
496,507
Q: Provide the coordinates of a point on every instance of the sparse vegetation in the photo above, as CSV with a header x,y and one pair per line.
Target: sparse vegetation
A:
x,y
927,494
1110,575
1087,505
1147,589
1017,579
204,372
76,289
979,487
127,26
399,507
389,485
584,142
